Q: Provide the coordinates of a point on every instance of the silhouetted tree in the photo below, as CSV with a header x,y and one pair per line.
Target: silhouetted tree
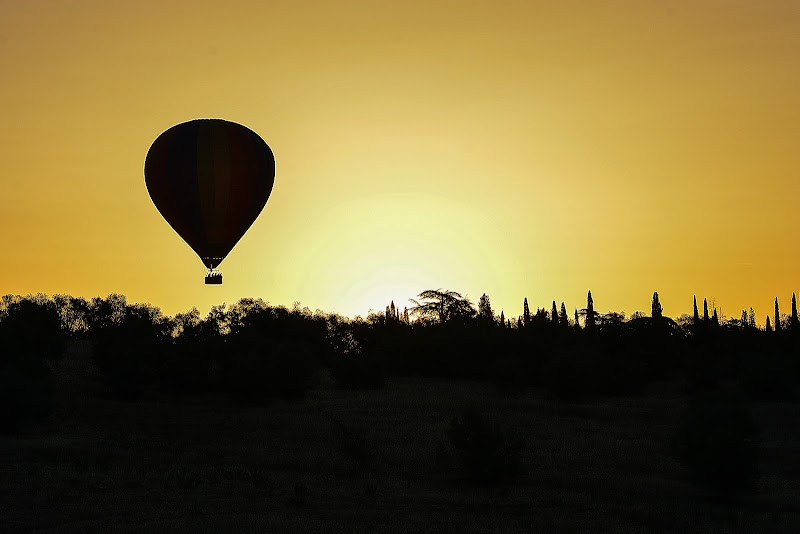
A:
x,y
441,306
106,312
391,313
502,318
657,310
540,318
751,318
715,318
31,341
795,323
577,323
696,313
405,314
744,322
705,310
590,318
554,314
769,327
526,313
485,312
777,316
562,317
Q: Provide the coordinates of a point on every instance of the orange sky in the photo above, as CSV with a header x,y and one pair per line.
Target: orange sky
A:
x,y
519,148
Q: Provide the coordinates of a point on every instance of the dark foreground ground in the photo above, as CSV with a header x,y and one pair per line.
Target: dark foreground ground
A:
x,y
377,461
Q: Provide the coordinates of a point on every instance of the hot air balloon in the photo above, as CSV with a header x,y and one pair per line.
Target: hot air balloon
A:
x,y
209,179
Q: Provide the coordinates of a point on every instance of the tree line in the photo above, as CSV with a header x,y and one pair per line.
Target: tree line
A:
x,y
254,352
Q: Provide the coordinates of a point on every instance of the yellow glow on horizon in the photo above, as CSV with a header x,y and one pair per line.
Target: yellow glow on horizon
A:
x,y
521,149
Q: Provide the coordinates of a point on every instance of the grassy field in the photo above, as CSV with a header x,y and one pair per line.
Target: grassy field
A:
x,y
376,461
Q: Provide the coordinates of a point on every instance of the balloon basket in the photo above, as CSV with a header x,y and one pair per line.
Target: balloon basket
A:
x,y
213,277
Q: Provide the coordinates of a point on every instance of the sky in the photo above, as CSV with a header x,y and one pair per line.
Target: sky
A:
x,y
533,149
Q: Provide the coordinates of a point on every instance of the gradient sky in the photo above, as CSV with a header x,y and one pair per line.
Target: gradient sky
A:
x,y
531,149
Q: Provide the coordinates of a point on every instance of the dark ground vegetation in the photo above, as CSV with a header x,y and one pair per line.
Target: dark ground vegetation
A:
x,y
115,418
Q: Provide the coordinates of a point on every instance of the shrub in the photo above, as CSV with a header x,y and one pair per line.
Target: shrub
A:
x,y
490,453
717,442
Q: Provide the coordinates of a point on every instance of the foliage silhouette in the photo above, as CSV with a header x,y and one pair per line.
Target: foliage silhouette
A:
x,y
31,342
656,309
256,352
441,306
485,309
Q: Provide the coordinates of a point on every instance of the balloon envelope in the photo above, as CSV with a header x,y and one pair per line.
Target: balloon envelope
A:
x,y
209,179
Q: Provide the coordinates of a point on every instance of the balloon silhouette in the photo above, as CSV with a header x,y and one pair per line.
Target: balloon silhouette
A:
x,y
209,179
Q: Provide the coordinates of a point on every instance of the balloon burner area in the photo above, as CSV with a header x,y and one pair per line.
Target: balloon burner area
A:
x,y
213,277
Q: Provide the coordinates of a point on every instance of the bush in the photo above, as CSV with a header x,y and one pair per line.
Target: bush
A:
x,y
490,453
717,442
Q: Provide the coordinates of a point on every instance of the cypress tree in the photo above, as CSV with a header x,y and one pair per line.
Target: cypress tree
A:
x,y
751,318
577,323
554,314
485,309
657,310
794,312
769,328
502,318
562,317
705,310
715,318
526,313
589,311
696,314
777,316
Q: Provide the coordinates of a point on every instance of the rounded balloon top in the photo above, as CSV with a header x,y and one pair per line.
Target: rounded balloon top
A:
x,y
210,179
